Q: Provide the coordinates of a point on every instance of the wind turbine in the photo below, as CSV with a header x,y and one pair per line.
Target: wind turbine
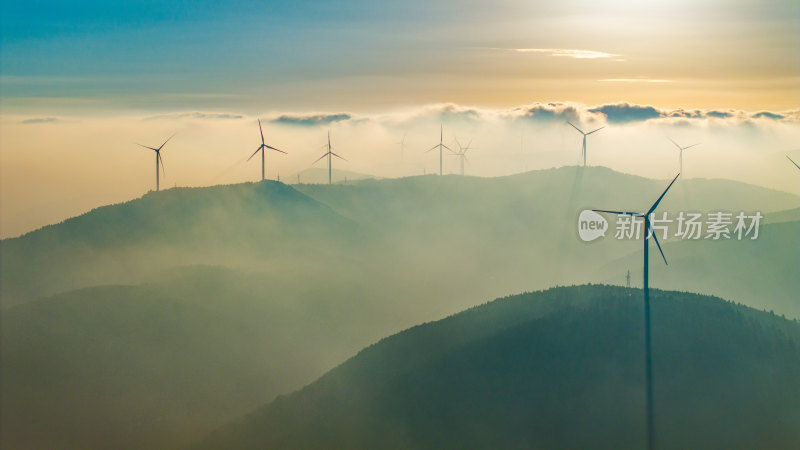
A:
x,y
440,146
648,357
583,148
461,154
403,146
262,148
158,158
329,154
681,151
795,164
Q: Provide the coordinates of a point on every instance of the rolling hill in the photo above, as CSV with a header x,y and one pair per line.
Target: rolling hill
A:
x,y
134,241
303,277
562,368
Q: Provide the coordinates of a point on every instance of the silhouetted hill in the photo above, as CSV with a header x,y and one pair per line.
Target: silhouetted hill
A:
x,y
562,368
133,241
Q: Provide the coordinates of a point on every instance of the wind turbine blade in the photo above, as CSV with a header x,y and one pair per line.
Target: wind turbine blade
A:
x,y
319,158
595,130
457,142
795,164
155,149
163,169
659,246
165,142
676,144
619,213
573,126
447,148
655,205
277,150
432,148
254,154
261,131
334,154
693,145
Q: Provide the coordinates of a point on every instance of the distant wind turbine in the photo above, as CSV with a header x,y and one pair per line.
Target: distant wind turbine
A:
x,y
403,146
583,147
262,148
440,146
648,231
681,149
461,154
329,154
795,164
158,158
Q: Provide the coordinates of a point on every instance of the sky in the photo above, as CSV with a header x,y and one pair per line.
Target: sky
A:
x,y
82,81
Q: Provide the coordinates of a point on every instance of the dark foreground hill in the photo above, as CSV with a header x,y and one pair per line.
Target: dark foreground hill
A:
x,y
562,368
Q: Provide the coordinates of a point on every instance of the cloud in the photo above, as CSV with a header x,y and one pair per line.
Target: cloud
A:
x,y
634,80
550,112
199,115
626,112
767,115
719,114
791,116
452,111
35,120
611,113
619,113
569,53
310,120
684,114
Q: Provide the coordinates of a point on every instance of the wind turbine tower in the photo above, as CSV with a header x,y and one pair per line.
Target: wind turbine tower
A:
x,y
648,233
262,148
440,146
583,147
158,159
